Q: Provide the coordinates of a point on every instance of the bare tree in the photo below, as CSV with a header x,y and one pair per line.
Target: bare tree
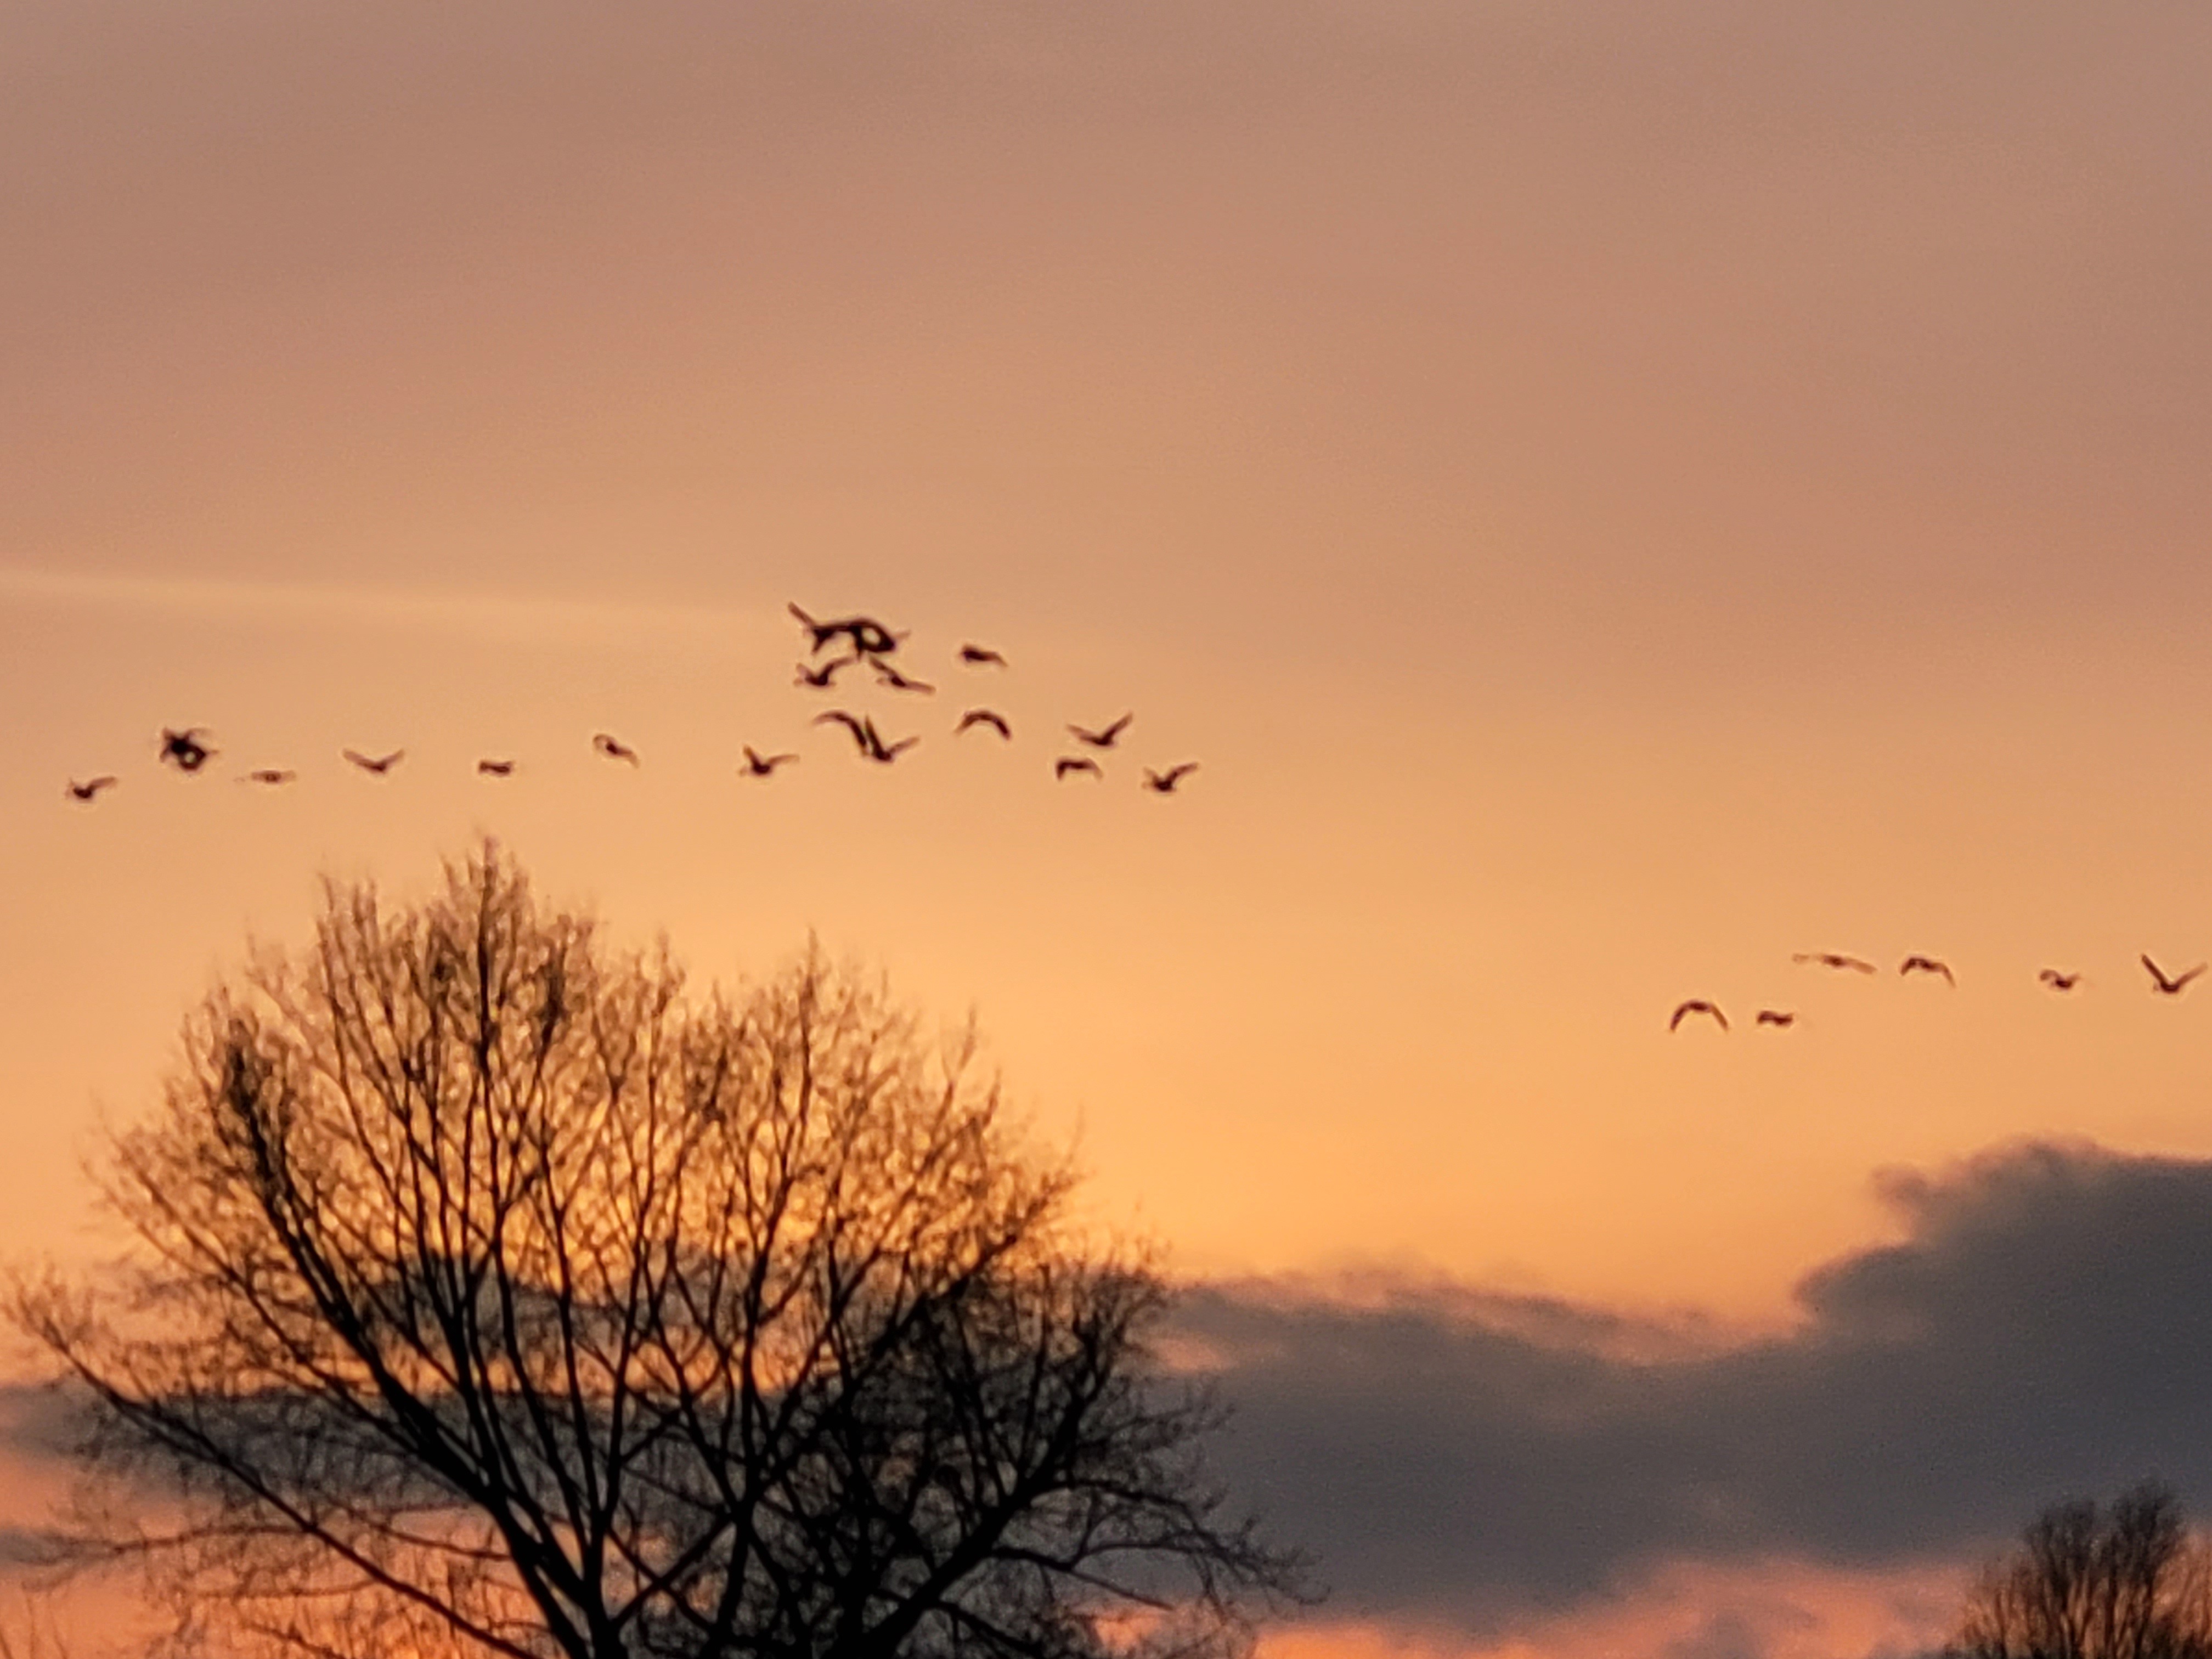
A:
x,y
498,1294
2128,1582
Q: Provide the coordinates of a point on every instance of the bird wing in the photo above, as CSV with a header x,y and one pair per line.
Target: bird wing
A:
x,y
1116,729
2164,983
823,632
2191,975
850,722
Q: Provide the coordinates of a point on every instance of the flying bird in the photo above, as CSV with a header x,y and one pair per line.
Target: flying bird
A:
x,y
270,775
870,741
379,764
887,675
823,677
991,718
1781,1018
613,747
1163,783
1835,959
186,750
870,637
89,788
1102,739
495,768
1927,965
1697,1005
2057,980
1067,763
2169,987
980,656
760,766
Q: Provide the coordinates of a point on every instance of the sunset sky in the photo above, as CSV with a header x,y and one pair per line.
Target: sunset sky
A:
x,y
1612,495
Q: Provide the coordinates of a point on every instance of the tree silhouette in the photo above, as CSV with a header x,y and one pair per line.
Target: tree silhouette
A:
x,y
2128,1582
497,1293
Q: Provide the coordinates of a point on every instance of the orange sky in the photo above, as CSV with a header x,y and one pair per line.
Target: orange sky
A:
x,y
1613,495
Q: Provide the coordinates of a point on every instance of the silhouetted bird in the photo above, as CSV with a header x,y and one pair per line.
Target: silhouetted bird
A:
x,y
1163,783
887,675
89,788
1927,965
870,741
870,637
760,766
270,775
1697,1005
1835,959
185,750
1780,1017
613,747
2169,987
495,768
1103,739
978,656
1067,763
379,764
876,749
821,679
2059,981
996,721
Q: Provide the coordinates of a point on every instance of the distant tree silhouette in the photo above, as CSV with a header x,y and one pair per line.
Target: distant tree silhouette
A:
x,y
499,1296
2127,1582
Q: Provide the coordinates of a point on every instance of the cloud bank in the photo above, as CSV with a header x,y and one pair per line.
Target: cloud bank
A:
x,y
1468,1461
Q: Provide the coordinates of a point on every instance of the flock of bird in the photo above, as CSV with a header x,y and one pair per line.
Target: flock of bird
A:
x,y
868,643
2052,979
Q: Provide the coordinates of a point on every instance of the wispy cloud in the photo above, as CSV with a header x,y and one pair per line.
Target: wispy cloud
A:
x,y
2042,1329
504,617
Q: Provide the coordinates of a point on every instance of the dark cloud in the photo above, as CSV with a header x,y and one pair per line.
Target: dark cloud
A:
x,y
2044,1328
39,1421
